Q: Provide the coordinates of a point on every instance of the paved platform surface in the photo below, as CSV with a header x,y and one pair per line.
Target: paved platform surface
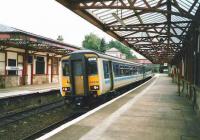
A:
x,y
28,89
154,112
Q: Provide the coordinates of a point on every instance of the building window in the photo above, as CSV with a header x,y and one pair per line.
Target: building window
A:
x,y
55,66
106,69
40,65
12,63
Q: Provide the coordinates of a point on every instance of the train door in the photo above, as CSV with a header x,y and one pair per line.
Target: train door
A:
x,y
111,76
108,76
77,75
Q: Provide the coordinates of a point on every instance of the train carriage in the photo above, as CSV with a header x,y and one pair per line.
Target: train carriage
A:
x,y
88,74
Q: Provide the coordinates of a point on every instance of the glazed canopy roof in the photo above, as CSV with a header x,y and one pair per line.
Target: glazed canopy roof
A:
x,y
154,28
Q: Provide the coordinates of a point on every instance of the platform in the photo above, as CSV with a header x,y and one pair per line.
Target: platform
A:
x,y
151,112
28,89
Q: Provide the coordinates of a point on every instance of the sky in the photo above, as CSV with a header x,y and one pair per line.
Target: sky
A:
x,y
49,19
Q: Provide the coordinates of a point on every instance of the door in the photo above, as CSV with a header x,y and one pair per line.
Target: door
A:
x,y
77,75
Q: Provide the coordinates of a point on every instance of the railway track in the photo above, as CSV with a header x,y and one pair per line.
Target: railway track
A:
x,y
58,105
11,118
53,126
78,113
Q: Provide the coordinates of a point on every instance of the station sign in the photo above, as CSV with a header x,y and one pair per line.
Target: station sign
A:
x,y
13,68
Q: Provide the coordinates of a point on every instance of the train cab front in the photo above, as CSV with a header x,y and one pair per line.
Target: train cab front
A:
x,y
79,78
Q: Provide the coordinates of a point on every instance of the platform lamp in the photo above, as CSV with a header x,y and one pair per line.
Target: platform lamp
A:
x,y
115,15
118,19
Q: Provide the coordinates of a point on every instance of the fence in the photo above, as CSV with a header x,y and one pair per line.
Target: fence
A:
x,y
188,90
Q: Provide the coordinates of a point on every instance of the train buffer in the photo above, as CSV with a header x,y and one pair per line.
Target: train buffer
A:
x,y
28,89
153,111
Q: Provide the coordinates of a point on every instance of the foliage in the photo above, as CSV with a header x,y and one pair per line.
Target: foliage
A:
x,y
93,42
103,45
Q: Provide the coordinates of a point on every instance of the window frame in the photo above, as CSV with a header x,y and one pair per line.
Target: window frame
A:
x,y
88,63
40,70
12,72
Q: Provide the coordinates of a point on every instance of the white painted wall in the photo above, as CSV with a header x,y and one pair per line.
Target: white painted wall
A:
x,y
11,55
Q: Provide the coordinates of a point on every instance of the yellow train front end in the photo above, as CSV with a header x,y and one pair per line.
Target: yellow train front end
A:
x,y
80,78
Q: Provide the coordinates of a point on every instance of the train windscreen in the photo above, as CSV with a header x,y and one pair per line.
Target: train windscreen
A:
x,y
92,66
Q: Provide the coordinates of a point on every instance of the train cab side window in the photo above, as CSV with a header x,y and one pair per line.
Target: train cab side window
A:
x,y
106,69
65,67
92,66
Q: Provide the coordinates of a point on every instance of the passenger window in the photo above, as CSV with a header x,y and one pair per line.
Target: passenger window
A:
x,y
65,68
106,69
116,69
126,70
121,70
92,66
134,70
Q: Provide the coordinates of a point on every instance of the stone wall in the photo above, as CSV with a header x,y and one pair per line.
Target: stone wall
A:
x,y
11,81
40,79
55,79
2,81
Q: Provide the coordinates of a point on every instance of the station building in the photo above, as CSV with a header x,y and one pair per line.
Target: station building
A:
x,y
116,53
27,58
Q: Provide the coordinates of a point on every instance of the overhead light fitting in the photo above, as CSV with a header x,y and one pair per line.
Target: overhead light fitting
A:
x,y
119,20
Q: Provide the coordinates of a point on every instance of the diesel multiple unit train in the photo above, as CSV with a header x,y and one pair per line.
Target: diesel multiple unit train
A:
x,y
87,74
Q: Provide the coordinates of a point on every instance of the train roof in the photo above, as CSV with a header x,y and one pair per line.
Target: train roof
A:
x,y
101,55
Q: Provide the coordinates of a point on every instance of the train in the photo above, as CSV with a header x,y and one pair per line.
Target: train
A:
x,y
88,74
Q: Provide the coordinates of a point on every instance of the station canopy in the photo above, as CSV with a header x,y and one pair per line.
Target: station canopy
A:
x,y
155,28
16,38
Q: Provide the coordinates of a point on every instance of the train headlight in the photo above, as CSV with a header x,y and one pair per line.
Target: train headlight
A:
x,y
66,89
95,87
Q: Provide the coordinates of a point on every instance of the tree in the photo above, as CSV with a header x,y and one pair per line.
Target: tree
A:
x,y
92,42
60,38
103,45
